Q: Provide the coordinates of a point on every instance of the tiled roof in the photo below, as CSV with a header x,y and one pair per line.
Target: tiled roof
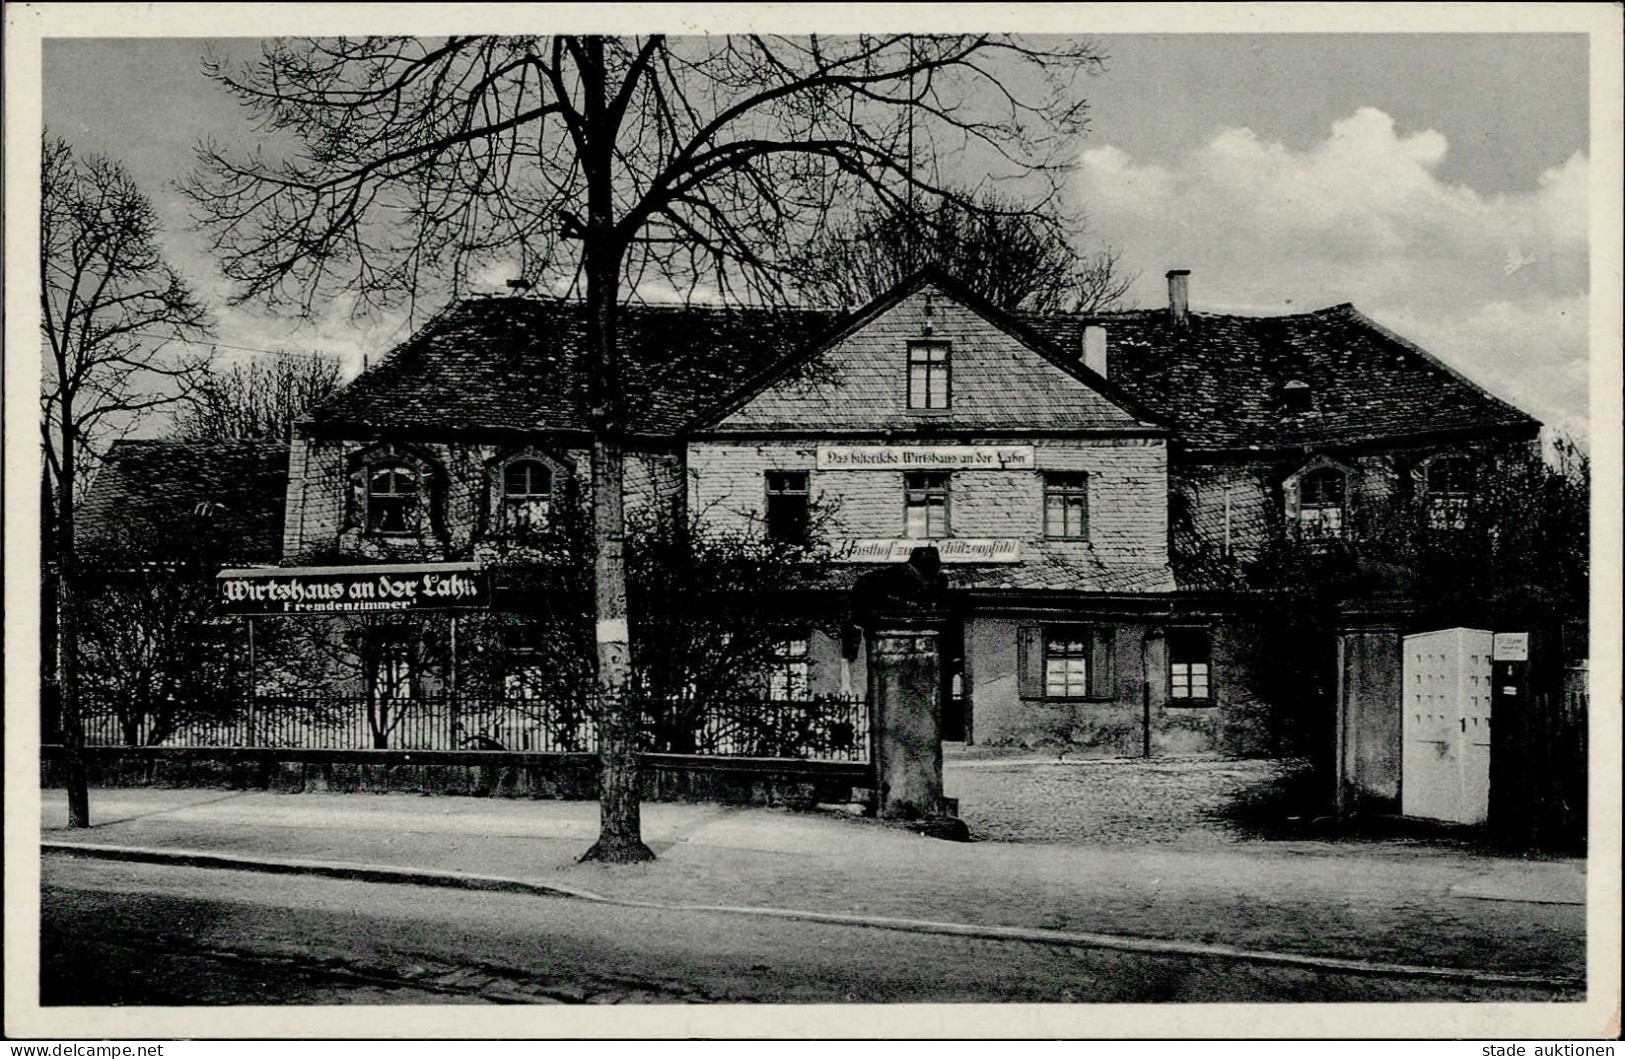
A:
x,y
518,363
219,500
1218,379
521,364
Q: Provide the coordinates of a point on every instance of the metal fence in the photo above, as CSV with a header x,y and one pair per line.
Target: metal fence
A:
x,y
1577,691
826,729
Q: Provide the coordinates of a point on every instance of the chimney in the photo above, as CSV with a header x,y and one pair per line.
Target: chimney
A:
x,y
1179,296
1094,349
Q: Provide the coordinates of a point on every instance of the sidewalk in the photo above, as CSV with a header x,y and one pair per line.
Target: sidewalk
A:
x,y
1375,902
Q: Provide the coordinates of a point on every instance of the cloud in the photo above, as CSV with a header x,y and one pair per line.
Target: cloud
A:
x,y
1362,216
244,335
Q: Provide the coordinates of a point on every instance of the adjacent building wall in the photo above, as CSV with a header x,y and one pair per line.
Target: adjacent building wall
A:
x,y
1230,721
323,518
1231,505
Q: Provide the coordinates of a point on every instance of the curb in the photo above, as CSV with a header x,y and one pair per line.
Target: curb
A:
x,y
376,873
385,873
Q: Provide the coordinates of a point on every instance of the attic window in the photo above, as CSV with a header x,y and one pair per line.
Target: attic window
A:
x,y
928,376
1296,396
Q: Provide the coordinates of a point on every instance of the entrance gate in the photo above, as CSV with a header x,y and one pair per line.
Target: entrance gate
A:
x,y
1446,724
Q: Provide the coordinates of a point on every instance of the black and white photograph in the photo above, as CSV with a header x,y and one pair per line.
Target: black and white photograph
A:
x,y
822,521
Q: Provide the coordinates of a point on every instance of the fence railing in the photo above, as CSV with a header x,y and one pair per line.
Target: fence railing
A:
x,y
825,729
1577,691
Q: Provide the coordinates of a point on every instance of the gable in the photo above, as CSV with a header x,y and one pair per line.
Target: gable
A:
x,y
1000,379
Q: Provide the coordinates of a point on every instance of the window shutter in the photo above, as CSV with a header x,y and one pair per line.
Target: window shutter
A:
x,y
1103,663
1030,661
1289,497
355,505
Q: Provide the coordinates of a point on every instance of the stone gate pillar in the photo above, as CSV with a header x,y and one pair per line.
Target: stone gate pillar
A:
x,y
904,692
901,611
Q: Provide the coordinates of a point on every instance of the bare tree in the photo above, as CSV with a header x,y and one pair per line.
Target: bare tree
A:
x,y
151,659
608,167
110,309
260,399
1015,257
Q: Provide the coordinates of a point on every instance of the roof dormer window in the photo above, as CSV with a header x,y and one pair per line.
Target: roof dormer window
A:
x,y
1296,396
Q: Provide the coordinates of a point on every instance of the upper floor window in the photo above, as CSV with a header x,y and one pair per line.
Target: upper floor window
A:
x,y
527,493
789,675
1066,505
1322,498
787,506
1449,492
925,505
929,369
392,499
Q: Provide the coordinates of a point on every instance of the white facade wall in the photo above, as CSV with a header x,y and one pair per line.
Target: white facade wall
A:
x,y
1128,488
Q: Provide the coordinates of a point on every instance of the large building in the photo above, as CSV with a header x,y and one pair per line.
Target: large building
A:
x,y
1098,487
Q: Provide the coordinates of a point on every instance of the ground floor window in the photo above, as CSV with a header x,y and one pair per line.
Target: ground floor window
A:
x,y
1066,661
393,670
1189,667
788,677
523,673
1066,666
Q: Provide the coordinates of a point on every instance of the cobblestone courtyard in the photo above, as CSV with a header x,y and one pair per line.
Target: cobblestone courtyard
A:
x,y
1180,800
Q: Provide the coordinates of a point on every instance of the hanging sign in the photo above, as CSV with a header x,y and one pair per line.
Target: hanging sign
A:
x,y
354,589
925,457
956,550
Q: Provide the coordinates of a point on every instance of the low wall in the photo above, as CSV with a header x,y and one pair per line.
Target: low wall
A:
x,y
666,777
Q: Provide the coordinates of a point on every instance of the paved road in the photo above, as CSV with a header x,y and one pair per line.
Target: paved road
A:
x,y
122,933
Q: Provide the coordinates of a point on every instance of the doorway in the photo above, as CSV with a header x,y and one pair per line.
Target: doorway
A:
x,y
955,692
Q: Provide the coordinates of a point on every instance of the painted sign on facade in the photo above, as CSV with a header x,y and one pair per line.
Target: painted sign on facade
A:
x,y
355,589
966,550
925,457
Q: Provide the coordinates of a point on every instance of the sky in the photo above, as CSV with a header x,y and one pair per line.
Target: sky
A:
x,y
1437,181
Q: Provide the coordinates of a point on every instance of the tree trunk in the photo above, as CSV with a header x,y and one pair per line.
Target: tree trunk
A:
x,y
67,632
620,826
50,727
